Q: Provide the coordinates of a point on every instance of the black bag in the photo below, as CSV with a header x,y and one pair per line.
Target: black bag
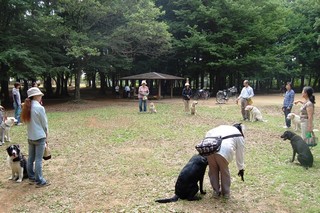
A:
x,y
211,145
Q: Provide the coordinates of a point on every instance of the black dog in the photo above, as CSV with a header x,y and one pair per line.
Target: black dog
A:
x,y
17,162
299,146
187,182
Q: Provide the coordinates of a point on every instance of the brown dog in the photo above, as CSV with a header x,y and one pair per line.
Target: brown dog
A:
x,y
193,108
152,108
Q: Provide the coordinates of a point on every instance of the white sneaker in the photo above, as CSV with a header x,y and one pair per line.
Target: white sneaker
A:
x,y
285,127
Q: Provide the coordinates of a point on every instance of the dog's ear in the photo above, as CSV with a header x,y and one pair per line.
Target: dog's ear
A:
x,y
240,127
18,147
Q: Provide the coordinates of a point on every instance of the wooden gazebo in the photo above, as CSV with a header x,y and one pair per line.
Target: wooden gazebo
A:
x,y
155,76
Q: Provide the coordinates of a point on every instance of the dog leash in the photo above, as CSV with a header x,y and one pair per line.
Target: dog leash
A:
x,y
232,136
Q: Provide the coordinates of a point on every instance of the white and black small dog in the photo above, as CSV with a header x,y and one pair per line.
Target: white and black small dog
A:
x,y
17,163
295,120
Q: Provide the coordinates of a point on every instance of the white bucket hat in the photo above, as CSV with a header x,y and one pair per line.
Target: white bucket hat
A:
x,y
144,82
33,91
186,84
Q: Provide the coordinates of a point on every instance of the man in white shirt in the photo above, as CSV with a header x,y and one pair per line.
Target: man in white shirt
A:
x,y
246,93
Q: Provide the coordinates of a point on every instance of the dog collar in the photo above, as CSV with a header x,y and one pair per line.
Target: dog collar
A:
x,y
16,159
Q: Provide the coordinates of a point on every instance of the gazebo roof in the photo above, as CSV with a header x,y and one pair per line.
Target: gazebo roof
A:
x,y
152,75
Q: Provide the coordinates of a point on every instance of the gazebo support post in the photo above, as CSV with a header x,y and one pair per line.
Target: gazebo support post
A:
x,y
159,89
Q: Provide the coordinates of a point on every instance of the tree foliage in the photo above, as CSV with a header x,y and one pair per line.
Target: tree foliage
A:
x,y
223,41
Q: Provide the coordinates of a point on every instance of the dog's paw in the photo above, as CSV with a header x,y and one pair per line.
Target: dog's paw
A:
x,y
11,178
19,181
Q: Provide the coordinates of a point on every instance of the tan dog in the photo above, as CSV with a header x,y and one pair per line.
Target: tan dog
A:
x,y
295,120
193,107
255,114
5,129
152,108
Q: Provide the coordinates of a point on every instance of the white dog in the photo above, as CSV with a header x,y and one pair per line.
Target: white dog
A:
x,y
295,120
152,108
5,129
255,114
193,107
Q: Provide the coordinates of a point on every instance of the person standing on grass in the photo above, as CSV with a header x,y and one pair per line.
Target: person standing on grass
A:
x,y
186,95
288,103
218,162
34,115
17,102
307,112
143,93
117,91
246,94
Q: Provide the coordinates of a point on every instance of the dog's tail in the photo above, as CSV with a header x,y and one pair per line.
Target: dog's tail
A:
x,y
175,198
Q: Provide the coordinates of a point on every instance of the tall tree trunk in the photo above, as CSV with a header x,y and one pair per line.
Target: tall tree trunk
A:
x,y
4,93
103,83
58,85
202,80
77,84
93,77
302,83
64,89
48,86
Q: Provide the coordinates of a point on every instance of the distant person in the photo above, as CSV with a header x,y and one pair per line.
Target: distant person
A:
x,y
246,94
34,115
127,90
218,162
287,104
186,95
117,91
143,93
307,112
16,102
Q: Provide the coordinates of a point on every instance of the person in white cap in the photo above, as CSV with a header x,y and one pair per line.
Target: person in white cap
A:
x,y
143,96
34,115
186,95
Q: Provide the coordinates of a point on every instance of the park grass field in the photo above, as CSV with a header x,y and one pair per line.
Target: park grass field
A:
x,y
107,157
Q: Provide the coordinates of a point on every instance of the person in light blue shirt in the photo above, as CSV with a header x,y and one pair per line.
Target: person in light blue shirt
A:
x,y
246,93
34,115
288,103
16,102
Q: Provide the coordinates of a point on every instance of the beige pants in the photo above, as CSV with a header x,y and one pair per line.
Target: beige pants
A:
x,y
244,103
218,168
186,105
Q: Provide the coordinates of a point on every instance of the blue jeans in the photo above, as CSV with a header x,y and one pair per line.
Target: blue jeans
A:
x,y
17,111
144,103
286,112
36,150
